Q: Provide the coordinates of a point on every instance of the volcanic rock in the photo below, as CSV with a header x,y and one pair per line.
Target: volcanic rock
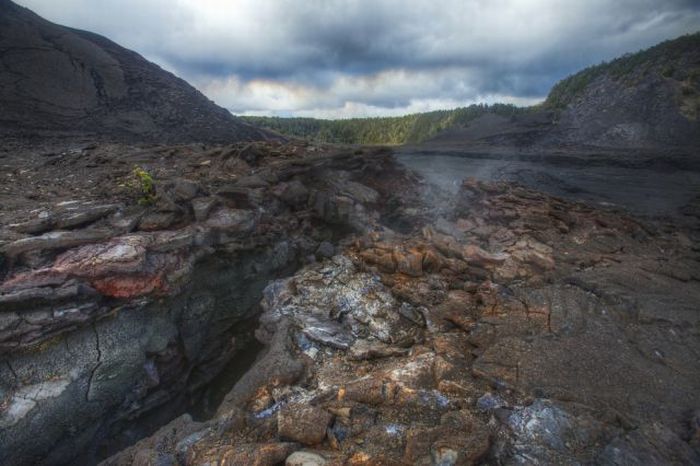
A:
x,y
479,343
303,424
62,81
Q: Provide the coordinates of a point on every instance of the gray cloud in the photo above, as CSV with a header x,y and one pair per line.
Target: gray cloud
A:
x,y
354,57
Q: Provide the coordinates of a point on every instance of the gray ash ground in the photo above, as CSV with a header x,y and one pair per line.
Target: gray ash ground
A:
x,y
640,182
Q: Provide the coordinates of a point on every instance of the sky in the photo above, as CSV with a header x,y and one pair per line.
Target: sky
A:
x,y
356,58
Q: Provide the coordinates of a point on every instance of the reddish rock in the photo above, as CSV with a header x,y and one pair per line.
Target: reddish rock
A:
x,y
409,262
477,256
125,254
383,259
129,286
370,390
461,439
432,260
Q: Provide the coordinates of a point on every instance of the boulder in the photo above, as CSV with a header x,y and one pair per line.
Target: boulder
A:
x,y
303,423
182,190
252,181
409,262
232,220
74,216
293,193
253,454
305,458
157,221
325,250
55,240
202,206
359,192
84,215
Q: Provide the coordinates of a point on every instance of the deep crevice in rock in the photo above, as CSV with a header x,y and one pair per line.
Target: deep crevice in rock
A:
x,y
224,295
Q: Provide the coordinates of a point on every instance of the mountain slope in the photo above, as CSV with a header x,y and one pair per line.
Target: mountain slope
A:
x,y
57,80
649,98
643,100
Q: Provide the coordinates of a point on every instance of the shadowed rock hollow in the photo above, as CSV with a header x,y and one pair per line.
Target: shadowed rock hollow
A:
x,y
110,311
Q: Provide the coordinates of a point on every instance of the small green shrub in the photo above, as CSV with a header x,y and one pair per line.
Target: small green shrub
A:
x,y
142,184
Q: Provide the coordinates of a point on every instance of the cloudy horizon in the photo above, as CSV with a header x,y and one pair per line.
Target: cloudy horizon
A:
x,y
341,59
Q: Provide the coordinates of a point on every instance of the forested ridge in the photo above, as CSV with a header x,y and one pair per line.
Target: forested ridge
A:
x,y
412,128
668,59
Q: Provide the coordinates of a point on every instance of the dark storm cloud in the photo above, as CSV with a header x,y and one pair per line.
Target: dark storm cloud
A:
x,y
333,57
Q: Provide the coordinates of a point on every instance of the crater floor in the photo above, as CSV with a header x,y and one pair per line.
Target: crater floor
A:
x,y
403,322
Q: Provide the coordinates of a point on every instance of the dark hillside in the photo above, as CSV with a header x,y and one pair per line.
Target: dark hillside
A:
x,y
647,99
55,80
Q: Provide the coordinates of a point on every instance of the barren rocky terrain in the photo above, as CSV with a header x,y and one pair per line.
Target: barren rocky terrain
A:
x,y
402,323
178,287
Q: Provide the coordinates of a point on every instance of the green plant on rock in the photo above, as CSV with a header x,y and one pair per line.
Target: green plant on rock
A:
x,y
142,183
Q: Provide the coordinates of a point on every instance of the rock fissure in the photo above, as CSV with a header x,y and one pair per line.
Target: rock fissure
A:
x,y
160,304
12,370
97,365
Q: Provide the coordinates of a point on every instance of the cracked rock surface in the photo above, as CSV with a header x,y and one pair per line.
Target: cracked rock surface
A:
x,y
115,314
401,324
511,328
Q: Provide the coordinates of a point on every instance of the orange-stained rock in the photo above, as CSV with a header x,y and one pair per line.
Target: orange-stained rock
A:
x,y
253,454
475,255
460,439
303,424
383,259
370,390
409,262
432,260
129,286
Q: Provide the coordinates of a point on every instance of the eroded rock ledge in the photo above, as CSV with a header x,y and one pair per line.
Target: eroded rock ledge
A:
x,y
515,328
110,310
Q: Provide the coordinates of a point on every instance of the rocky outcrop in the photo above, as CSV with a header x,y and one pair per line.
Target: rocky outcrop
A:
x,y
649,113
401,324
509,331
126,308
60,81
